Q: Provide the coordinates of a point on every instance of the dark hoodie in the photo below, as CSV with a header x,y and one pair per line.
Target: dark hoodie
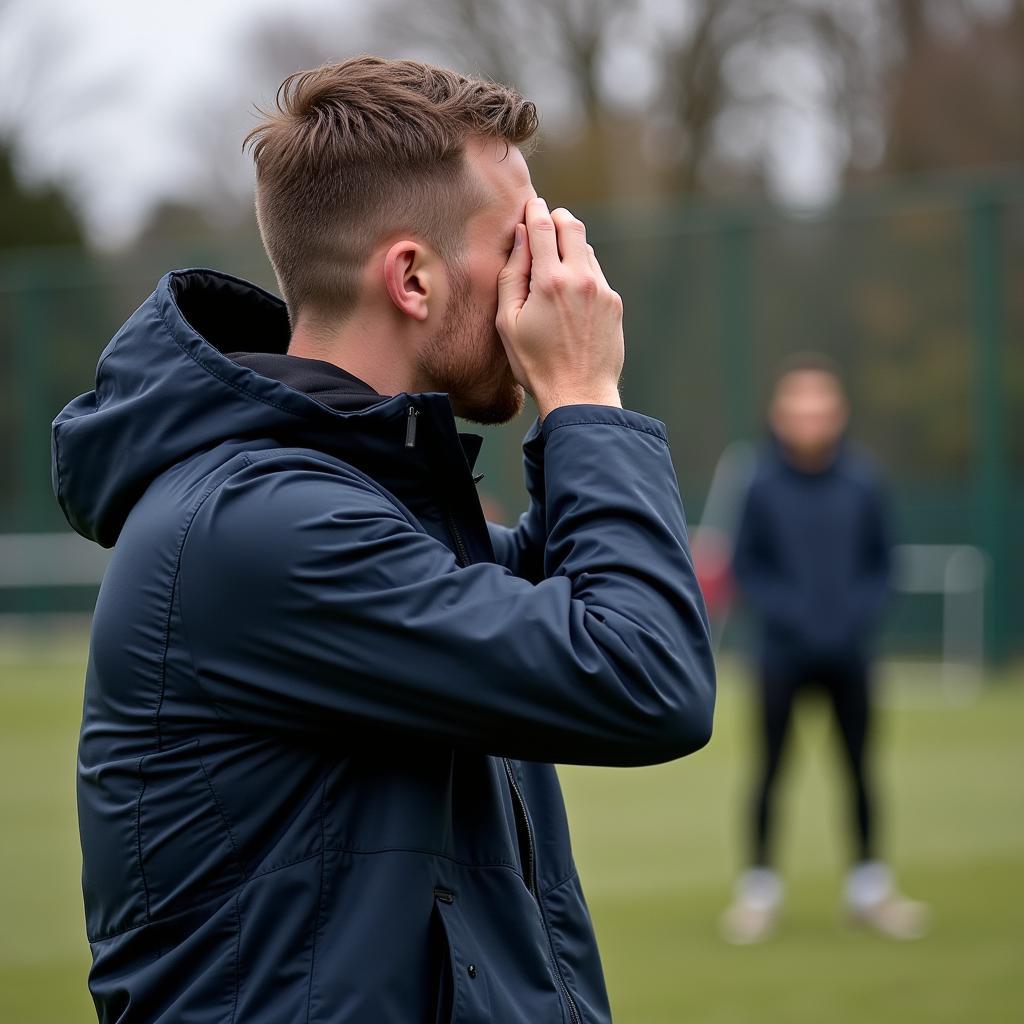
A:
x,y
323,695
812,557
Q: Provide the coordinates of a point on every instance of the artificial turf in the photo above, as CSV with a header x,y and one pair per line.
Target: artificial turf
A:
x,y
657,849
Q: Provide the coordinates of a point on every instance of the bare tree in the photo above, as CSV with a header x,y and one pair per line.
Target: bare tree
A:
x,y
955,96
718,70
553,45
543,42
268,52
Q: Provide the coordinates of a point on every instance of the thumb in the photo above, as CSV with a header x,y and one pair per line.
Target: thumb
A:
x,y
514,279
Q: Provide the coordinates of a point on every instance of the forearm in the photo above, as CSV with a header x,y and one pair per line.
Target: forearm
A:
x,y
378,631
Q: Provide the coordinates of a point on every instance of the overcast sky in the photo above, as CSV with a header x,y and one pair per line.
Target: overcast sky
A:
x,y
107,96
102,92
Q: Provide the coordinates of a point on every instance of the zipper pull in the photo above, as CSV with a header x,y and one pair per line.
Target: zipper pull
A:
x,y
410,427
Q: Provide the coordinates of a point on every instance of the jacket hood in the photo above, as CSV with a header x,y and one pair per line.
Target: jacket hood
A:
x,y
166,389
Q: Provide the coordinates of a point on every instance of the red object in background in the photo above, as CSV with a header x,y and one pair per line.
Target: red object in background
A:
x,y
712,561
494,511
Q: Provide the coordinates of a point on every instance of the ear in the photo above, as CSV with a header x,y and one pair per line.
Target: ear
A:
x,y
411,275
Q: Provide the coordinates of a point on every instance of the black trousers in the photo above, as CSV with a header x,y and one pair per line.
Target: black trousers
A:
x,y
846,685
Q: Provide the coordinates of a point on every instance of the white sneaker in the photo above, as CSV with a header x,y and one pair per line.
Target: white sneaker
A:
x,y
873,901
894,917
752,916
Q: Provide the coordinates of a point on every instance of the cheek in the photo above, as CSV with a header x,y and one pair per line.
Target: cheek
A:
x,y
484,286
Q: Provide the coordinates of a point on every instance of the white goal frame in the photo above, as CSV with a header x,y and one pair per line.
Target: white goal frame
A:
x,y
958,573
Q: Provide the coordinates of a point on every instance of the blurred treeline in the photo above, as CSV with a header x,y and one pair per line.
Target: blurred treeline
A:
x,y
758,175
640,99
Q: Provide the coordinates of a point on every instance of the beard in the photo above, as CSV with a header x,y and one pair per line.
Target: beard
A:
x,y
466,359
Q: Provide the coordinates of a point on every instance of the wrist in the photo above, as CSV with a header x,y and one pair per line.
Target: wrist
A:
x,y
551,400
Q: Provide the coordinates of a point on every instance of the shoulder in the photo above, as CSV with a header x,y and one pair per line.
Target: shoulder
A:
x,y
767,472
858,468
289,532
280,498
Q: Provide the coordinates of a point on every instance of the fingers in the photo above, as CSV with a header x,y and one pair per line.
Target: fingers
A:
x,y
595,266
514,279
560,253
556,237
540,229
572,237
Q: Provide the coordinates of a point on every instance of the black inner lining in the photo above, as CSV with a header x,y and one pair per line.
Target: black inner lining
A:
x,y
232,317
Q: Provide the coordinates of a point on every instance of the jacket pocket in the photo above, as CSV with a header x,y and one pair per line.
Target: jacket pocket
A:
x,y
154,841
463,996
113,883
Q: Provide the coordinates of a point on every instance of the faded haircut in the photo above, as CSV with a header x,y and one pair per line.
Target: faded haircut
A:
x,y
808,362
356,151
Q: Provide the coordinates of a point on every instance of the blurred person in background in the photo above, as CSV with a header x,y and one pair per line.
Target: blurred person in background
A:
x,y
324,694
812,559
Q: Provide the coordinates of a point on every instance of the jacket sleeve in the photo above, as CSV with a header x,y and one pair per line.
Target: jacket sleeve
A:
x,y
871,592
316,607
521,548
756,571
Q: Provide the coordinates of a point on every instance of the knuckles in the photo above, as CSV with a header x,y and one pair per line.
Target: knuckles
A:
x,y
580,284
504,323
566,223
554,283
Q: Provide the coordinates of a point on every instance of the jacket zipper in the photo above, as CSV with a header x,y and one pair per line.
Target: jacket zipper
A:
x,y
523,817
523,820
461,554
410,426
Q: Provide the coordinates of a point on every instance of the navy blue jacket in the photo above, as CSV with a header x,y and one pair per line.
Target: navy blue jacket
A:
x,y
812,557
323,693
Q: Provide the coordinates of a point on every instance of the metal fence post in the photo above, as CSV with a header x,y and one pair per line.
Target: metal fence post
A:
x,y
991,458
31,340
735,317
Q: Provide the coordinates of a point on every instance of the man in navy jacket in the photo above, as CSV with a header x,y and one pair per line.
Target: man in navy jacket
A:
x,y
812,559
323,694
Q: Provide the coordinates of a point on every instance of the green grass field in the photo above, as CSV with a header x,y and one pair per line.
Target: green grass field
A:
x,y
657,849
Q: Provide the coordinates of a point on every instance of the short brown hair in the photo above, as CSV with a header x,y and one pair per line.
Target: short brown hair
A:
x,y
808,362
356,150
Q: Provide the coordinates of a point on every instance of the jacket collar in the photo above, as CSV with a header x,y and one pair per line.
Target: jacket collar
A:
x,y
166,390
330,385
